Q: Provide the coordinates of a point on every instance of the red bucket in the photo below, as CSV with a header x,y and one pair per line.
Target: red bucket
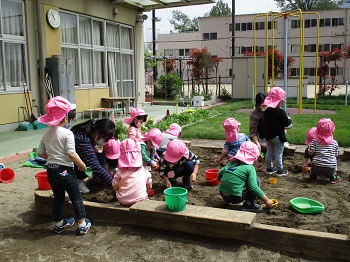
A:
x,y
211,175
43,184
7,175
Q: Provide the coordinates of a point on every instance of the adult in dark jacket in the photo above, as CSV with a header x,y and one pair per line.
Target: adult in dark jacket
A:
x,y
90,137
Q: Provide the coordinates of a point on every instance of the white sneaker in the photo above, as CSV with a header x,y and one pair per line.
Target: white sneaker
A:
x,y
286,144
82,186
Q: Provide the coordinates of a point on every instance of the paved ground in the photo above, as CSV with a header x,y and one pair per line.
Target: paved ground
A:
x,y
17,144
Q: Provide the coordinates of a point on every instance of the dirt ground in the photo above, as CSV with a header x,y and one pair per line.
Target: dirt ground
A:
x,y
25,236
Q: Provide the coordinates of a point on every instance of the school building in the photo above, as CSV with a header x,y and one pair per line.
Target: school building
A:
x,y
215,33
84,50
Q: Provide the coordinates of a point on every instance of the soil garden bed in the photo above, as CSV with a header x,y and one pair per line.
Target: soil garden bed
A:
x,y
335,197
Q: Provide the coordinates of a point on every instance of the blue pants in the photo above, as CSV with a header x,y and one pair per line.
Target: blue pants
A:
x,y
186,169
61,184
274,147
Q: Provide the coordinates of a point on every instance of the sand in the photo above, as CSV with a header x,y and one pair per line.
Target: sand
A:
x,y
25,236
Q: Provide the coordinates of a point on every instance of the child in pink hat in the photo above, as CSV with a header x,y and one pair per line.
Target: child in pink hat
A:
x,y
276,120
234,139
149,144
58,147
309,136
173,132
178,161
239,181
137,117
132,182
112,153
324,149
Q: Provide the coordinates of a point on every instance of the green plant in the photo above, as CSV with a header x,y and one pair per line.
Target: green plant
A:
x,y
168,86
121,129
224,94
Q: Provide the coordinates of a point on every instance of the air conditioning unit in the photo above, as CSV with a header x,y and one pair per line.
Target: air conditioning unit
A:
x,y
198,101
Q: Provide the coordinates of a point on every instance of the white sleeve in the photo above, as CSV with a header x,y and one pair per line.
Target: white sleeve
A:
x,y
70,142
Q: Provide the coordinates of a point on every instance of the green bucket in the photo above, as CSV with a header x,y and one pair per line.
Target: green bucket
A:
x,y
175,199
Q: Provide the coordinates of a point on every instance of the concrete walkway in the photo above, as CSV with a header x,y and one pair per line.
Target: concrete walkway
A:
x,y
17,144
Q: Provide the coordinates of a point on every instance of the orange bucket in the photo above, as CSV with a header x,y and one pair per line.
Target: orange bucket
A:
x,y
211,175
7,175
43,184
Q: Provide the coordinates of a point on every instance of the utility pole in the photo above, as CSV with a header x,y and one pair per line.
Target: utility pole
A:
x,y
233,41
155,73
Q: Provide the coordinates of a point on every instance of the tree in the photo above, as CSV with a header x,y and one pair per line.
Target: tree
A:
x,y
182,22
326,58
202,65
220,9
308,5
150,61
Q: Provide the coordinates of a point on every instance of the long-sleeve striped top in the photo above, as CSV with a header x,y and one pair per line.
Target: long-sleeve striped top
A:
x,y
324,155
84,148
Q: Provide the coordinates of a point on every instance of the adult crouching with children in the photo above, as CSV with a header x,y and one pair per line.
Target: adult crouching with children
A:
x,y
90,137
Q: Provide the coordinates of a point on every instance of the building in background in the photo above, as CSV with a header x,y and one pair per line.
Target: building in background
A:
x,y
215,33
90,48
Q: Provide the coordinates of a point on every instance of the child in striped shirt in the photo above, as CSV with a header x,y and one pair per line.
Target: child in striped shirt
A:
x,y
324,149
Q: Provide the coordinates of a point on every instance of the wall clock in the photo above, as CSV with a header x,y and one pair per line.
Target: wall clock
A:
x,y
53,18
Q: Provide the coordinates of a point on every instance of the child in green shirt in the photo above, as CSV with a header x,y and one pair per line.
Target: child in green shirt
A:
x,y
239,181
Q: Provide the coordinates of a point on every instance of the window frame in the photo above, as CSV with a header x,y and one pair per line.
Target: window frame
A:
x,y
5,85
104,49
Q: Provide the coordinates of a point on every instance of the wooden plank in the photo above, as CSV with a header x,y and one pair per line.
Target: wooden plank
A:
x,y
197,214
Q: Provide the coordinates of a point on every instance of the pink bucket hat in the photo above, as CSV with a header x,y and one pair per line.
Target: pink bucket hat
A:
x,y
231,129
175,150
56,109
310,135
174,129
324,131
130,154
247,153
134,113
112,148
275,96
155,135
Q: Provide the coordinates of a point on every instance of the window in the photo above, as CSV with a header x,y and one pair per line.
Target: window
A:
x,y
295,24
260,49
309,71
184,52
337,46
238,27
325,22
259,25
102,52
270,25
307,23
230,27
295,71
207,36
337,21
13,56
313,22
246,49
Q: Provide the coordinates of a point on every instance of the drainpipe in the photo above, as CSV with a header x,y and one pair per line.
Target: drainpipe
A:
x,y
41,61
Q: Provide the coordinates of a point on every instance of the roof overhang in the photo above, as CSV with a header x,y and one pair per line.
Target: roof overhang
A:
x,y
148,5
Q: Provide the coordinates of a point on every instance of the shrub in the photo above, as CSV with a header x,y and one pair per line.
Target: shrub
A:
x,y
168,86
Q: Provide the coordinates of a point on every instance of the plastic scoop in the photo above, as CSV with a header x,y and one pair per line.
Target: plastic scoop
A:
x,y
274,203
88,172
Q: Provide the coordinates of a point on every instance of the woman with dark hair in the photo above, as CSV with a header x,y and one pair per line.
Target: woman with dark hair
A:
x,y
257,120
90,137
